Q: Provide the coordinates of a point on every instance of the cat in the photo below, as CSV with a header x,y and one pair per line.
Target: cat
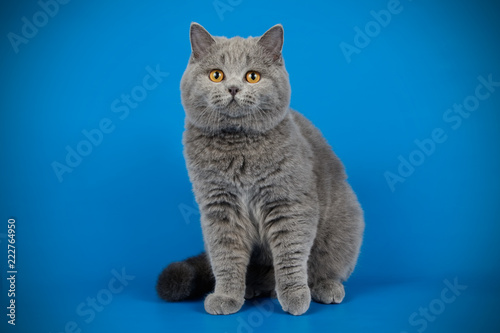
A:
x,y
277,214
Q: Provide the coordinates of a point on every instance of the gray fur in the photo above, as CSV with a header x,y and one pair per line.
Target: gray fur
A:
x,y
271,192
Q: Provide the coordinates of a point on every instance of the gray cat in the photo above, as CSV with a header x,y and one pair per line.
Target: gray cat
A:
x,y
277,214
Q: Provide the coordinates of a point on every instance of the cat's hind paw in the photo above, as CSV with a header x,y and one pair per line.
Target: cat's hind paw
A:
x,y
217,304
328,292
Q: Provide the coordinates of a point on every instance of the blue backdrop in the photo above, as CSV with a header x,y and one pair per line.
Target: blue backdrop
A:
x,y
92,172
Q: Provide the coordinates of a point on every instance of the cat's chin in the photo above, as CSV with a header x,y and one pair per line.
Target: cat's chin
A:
x,y
234,115
234,111
241,119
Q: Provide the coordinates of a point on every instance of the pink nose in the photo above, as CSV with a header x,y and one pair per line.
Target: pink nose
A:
x,y
233,91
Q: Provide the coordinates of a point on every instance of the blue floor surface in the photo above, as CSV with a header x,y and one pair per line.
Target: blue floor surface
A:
x,y
429,305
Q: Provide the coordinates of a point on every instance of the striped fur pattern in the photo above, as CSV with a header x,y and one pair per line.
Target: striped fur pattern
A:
x,y
277,214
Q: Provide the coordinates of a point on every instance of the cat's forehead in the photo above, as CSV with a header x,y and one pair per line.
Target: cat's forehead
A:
x,y
236,52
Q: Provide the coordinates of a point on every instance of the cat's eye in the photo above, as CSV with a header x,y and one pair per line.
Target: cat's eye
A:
x,y
216,75
253,77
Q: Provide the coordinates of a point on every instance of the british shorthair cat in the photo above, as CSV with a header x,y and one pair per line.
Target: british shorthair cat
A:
x,y
277,214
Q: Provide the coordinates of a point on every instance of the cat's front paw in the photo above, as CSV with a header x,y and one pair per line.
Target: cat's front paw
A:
x,y
328,292
217,304
295,301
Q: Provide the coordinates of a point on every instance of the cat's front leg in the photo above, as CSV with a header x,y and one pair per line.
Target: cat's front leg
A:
x,y
291,229
229,249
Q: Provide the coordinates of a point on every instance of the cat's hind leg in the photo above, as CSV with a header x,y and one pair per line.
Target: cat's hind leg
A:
x,y
324,279
331,262
328,291
328,266
336,248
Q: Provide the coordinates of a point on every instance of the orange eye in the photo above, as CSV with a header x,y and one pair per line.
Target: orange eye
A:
x,y
216,75
253,77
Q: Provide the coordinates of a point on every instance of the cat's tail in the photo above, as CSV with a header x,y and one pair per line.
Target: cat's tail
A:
x,y
188,279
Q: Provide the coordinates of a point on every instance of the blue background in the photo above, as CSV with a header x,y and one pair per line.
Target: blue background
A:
x,y
128,204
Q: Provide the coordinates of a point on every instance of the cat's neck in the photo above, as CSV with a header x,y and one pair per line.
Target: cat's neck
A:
x,y
236,138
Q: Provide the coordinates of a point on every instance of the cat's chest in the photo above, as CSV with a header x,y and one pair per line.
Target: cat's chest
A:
x,y
242,164
241,161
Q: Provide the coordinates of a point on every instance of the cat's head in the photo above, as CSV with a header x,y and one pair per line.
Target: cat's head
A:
x,y
235,84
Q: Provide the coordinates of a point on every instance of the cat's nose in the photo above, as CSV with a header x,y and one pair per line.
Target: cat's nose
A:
x,y
233,90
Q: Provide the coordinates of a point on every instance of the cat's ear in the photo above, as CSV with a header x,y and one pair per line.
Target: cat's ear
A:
x,y
272,41
201,40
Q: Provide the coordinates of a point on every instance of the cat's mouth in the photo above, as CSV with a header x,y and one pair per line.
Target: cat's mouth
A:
x,y
234,109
